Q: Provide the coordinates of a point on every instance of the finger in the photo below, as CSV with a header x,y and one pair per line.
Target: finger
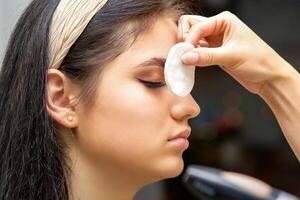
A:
x,y
213,26
201,30
204,57
183,30
185,23
203,43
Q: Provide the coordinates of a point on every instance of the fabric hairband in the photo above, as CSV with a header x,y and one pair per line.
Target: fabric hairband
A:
x,y
69,20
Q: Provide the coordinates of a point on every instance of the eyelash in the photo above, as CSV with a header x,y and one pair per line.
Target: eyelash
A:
x,y
152,84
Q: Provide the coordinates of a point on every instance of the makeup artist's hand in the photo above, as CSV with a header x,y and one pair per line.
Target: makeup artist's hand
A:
x,y
226,41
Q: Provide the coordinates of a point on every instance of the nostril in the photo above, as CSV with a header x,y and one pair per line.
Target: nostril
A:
x,y
195,109
198,111
195,112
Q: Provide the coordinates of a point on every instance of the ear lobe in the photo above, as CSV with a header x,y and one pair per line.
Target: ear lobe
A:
x,y
58,101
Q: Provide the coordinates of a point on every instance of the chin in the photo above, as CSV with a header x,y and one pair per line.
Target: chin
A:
x,y
169,169
176,170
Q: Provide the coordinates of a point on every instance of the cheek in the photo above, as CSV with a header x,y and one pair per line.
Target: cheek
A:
x,y
132,109
127,124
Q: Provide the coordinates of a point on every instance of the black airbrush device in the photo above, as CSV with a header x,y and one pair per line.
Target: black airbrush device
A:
x,y
212,184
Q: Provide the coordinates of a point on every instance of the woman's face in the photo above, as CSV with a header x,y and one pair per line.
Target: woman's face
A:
x,y
131,122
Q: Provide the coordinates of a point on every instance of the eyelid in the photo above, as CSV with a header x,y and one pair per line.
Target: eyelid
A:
x,y
151,75
152,84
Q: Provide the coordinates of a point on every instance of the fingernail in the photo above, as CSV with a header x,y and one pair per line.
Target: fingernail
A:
x,y
190,57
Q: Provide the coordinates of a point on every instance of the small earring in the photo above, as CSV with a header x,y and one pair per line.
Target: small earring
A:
x,y
70,118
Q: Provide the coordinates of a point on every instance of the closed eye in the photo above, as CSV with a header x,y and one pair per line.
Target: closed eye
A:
x,y
151,84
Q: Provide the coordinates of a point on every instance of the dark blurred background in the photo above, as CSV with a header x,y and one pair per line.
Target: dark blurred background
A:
x,y
236,130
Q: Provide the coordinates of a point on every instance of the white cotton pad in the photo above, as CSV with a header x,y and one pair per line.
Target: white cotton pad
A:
x,y
179,77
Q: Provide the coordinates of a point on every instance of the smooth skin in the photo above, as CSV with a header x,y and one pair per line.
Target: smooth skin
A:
x,y
122,142
226,41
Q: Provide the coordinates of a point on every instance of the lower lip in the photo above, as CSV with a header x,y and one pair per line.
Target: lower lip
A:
x,y
180,142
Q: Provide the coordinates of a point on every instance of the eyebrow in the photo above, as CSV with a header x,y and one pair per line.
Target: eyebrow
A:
x,y
155,61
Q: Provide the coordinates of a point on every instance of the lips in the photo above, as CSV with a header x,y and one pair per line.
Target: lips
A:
x,y
183,134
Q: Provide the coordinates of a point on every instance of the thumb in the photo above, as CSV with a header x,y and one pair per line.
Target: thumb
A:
x,y
203,57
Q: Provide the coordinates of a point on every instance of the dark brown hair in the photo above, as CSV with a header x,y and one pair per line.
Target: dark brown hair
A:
x,y
32,163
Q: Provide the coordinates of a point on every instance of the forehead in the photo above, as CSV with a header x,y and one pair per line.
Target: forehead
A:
x,y
160,38
154,43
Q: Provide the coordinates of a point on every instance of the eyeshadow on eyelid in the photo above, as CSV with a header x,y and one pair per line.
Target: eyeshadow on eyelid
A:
x,y
151,74
151,77
150,70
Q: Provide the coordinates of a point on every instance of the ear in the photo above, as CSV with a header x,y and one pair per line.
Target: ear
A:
x,y
60,92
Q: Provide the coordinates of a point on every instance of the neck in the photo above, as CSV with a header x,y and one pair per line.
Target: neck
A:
x,y
94,181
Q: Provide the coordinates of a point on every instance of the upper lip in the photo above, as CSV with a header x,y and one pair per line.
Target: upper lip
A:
x,y
183,134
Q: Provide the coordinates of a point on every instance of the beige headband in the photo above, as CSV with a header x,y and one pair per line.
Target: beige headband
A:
x,y
68,22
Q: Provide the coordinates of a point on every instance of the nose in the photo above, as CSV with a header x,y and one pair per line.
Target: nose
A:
x,y
185,108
